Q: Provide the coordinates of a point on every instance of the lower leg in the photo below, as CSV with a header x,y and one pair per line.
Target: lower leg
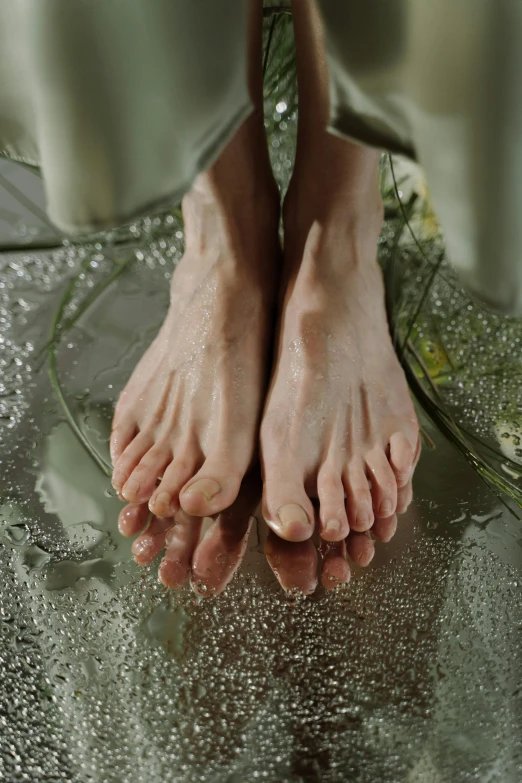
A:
x,y
243,171
342,173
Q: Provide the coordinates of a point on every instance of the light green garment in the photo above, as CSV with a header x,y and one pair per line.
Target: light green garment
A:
x,y
442,80
122,102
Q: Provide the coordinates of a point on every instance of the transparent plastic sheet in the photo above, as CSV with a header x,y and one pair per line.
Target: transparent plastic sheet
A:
x,y
411,673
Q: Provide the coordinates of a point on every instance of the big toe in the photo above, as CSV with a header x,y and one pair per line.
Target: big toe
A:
x,y
286,507
293,523
220,554
213,489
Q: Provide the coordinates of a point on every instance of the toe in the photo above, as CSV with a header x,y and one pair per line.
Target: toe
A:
x,y
151,541
358,497
287,508
181,542
404,498
165,500
384,486
335,570
141,483
214,488
360,548
133,519
332,514
402,454
384,529
289,519
293,563
121,436
130,459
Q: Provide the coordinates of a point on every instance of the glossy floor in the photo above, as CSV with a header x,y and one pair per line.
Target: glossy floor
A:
x,y
411,673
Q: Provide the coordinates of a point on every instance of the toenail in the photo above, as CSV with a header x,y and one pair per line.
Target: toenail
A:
x,y
163,500
386,509
332,526
206,487
292,514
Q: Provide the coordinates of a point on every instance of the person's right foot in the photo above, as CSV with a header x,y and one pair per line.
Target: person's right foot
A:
x,y
190,412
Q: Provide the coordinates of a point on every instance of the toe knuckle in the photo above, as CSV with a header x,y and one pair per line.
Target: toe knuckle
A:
x,y
327,480
361,496
122,468
389,492
402,476
156,454
235,474
180,467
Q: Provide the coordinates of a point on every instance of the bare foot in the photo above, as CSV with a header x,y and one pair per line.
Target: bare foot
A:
x,y
339,423
190,412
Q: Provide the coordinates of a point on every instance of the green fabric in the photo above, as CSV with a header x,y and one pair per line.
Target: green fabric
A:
x,y
123,102
441,80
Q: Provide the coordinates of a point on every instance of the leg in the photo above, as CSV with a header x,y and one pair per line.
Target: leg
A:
x,y
339,424
191,409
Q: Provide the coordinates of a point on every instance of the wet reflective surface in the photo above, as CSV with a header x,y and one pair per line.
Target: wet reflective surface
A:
x,y
410,673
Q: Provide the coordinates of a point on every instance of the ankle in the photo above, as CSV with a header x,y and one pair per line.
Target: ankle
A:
x,y
235,216
243,169
331,233
333,178
344,218
237,195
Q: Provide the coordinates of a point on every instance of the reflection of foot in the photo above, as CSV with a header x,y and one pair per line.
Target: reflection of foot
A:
x,y
211,562
295,562
338,412
191,409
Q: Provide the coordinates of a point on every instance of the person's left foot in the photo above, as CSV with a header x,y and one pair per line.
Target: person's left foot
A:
x,y
339,423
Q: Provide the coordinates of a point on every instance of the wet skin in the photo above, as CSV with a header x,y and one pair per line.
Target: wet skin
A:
x,y
338,421
210,562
